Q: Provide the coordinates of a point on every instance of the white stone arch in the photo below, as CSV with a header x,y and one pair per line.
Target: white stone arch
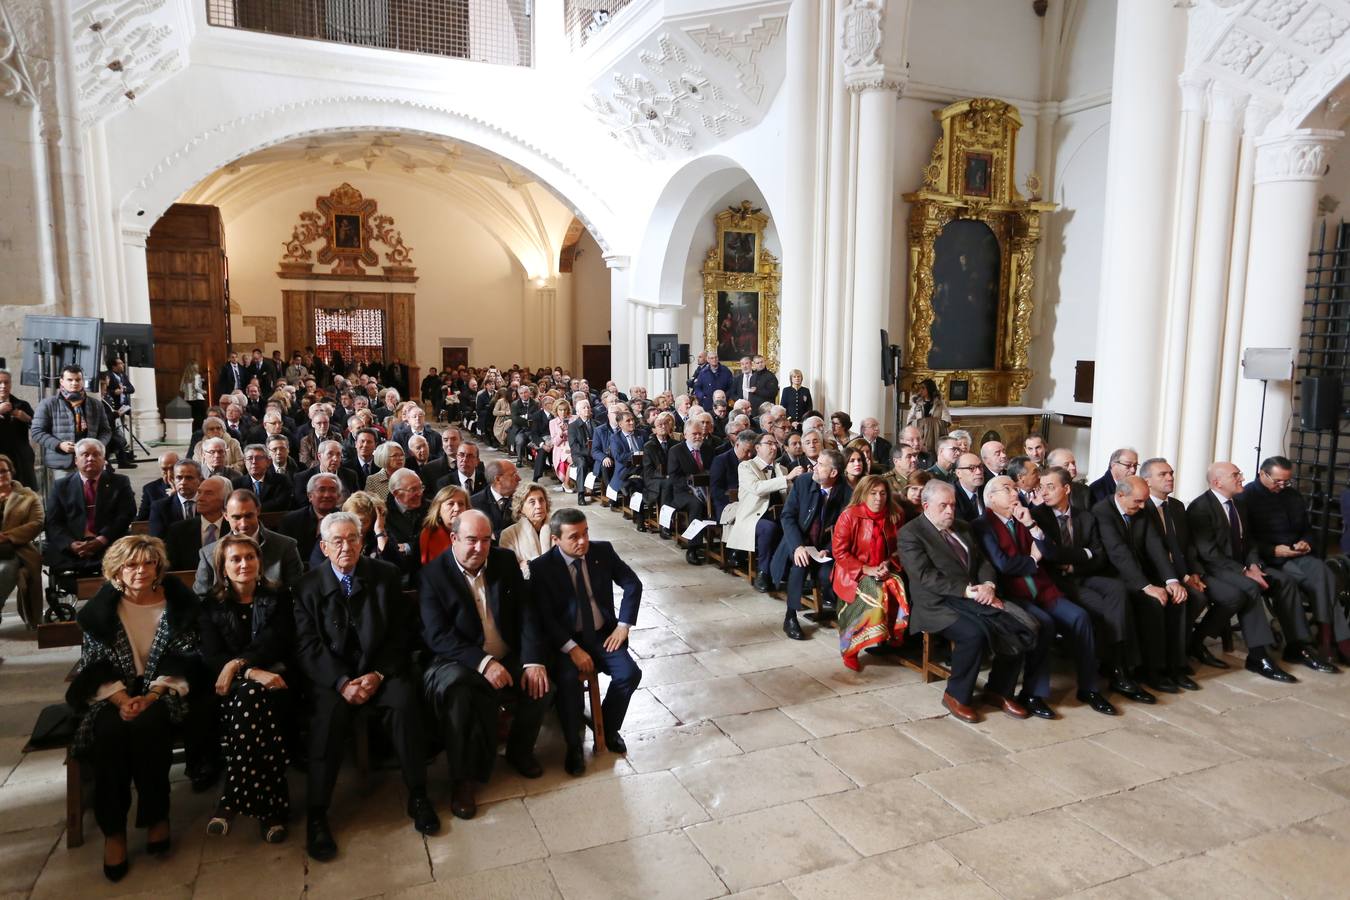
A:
x,y
185,164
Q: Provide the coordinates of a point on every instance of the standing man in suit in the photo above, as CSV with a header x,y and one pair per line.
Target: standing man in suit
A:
x,y
686,462
1124,463
1135,553
1077,562
881,448
1283,534
711,378
763,384
302,525
952,583
280,556
234,376
1218,520
1016,546
86,512
812,507
161,487
272,489
494,500
483,633
182,503
572,591
184,540
353,629
970,479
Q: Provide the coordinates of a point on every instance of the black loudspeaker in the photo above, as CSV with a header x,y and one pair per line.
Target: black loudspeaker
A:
x,y
1319,403
887,372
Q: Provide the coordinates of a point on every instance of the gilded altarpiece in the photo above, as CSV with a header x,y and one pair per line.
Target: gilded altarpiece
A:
x,y
972,248
740,289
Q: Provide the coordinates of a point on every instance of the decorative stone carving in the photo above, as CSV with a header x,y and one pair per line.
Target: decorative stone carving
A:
x,y
347,223
742,50
1281,71
14,81
1322,29
861,33
1237,51
122,48
1301,156
1277,13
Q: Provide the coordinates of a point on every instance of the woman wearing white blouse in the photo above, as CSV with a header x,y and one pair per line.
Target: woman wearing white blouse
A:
x,y
529,537
140,643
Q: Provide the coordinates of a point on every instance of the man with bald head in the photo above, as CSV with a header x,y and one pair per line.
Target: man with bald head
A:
x,y
1135,553
185,539
995,458
912,436
1229,557
1063,458
159,488
1124,463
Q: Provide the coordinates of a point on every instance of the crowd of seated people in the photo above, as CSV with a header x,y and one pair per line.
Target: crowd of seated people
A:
x,y
296,624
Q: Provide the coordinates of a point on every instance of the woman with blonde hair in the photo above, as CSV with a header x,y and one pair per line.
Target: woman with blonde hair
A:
x,y
529,536
21,520
874,610
445,507
130,689
557,433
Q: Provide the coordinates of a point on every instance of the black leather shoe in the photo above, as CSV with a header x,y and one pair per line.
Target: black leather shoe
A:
x,y
1266,668
1185,682
582,501
1098,702
462,802
1132,691
116,873
694,557
792,628
575,761
1310,658
761,583
1202,654
614,743
1039,708
159,848
423,814
525,764
666,535
642,527
1163,684
319,841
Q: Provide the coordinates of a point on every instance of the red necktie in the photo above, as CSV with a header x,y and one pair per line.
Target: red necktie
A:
x,y
698,460
89,507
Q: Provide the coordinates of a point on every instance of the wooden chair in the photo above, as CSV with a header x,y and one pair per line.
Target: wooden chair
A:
x,y
187,576
139,527
270,520
597,716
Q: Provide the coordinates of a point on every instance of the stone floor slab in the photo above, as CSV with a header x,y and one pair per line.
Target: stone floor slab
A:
x,y
769,845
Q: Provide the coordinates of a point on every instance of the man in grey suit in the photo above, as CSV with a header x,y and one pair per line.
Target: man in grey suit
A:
x,y
952,585
280,556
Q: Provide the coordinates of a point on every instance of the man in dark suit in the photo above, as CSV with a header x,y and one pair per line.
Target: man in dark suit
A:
x,y
494,500
329,460
184,540
1124,463
353,642
626,441
280,556
763,384
656,491
522,408
302,525
1283,534
1016,545
951,583
1079,493
404,514
809,513
580,440
487,651
970,479
540,421
1136,556
272,489
601,462
181,503
1076,560
414,422
686,463
870,429
362,463
468,471
1218,520
572,591
154,491
234,376
86,511
723,474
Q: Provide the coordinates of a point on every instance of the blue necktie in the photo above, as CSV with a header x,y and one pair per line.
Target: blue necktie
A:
x,y
346,585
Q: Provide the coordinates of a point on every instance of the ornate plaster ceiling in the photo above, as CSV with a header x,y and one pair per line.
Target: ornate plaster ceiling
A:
x,y
123,48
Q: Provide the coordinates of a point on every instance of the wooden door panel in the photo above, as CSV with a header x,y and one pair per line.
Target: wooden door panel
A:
x,y
595,363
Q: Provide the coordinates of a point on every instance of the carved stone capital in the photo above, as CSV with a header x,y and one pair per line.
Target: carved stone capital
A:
x,y
1193,88
876,79
1298,156
1226,104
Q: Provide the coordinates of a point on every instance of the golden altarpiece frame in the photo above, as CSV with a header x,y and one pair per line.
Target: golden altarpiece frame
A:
x,y
972,247
741,282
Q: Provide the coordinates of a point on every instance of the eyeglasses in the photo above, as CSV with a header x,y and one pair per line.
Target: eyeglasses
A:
x,y
968,468
1129,467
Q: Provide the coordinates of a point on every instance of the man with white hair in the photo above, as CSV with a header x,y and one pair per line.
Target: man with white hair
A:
x,y
494,500
881,448
1079,493
86,511
327,459
354,634
404,512
185,539
215,452
414,424
912,436
324,494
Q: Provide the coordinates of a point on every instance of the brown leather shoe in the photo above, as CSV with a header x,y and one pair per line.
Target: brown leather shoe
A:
x,y
959,709
1008,704
462,803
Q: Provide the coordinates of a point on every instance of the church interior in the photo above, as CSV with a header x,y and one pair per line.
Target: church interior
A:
x,y
922,344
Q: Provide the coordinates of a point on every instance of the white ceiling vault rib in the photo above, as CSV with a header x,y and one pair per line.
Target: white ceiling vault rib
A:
x,y
507,201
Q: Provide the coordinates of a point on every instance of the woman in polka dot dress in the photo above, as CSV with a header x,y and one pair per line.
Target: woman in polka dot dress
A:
x,y
248,630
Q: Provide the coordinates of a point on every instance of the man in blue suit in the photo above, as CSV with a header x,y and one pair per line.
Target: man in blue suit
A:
x,y
157,490
181,502
709,380
572,591
602,464
626,440
813,505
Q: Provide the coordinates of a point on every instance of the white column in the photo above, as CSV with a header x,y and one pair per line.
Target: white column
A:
x,y
1214,237
1288,177
136,296
1141,160
797,224
565,332
1187,204
623,336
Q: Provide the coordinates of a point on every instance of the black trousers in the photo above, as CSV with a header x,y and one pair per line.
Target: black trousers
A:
x,y
796,582
1312,579
581,465
125,753
624,678
466,707
656,492
399,704
968,646
1229,594
520,440
542,458
1112,615
694,508
1162,632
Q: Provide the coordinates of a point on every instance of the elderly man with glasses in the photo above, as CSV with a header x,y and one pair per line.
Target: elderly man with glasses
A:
x,y
1124,463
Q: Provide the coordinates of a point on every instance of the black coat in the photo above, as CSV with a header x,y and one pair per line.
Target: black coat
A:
x,y
1213,535
302,526
1137,558
451,626
484,502
269,643
277,494
183,541
151,493
1175,536
797,402
378,613
300,483
680,467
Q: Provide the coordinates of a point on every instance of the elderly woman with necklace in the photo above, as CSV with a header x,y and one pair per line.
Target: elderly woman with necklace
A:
x,y
131,685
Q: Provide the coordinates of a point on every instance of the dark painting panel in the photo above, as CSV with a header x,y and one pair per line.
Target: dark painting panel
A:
x,y
738,251
965,297
738,316
347,232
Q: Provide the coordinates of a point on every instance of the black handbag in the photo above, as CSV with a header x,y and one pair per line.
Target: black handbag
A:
x,y
55,727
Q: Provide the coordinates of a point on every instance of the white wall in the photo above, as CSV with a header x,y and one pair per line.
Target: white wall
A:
x,y
468,285
591,287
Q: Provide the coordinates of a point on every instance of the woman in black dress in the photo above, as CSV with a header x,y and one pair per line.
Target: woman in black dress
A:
x,y
796,399
16,417
247,630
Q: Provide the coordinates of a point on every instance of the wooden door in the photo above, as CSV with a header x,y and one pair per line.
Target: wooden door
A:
x,y
189,307
454,357
595,364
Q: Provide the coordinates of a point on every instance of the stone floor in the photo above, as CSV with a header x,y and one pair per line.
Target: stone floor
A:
x,y
762,768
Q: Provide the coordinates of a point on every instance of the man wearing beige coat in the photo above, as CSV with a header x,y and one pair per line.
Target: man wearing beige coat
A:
x,y
762,483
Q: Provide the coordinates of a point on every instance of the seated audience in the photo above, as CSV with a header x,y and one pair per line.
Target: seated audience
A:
x,y
353,643
809,515
21,521
878,448
362,458
413,425
963,439
434,539
233,457
1123,464
158,488
1080,494
86,512
316,434
580,442
389,457
280,558
301,525
528,537
559,448
131,688
1034,448
866,577
970,481
213,452
944,465
279,451
840,423
487,651
624,442
903,461
656,486
184,540
1026,476
763,485
994,456
329,460
247,637
686,467
181,503
572,592
273,490
723,477
494,500
856,465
